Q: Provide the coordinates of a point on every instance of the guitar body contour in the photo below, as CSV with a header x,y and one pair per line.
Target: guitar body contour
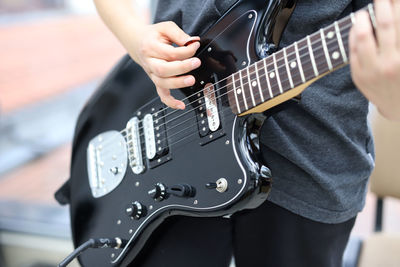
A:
x,y
191,159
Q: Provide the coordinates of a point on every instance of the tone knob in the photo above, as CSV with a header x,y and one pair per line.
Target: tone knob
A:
x,y
159,192
136,210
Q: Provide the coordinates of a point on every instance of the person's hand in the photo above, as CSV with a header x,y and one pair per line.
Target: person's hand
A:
x,y
375,62
164,63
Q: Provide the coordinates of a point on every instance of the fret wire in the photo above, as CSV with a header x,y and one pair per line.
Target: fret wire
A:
x,y
321,55
258,82
353,18
234,90
177,140
267,78
242,88
372,15
277,73
125,129
312,56
299,62
293,66
221,88
340,41
287,68
250,86
328,57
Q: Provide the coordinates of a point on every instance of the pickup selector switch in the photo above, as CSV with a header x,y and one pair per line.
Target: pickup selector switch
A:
x,y
221,185
135,210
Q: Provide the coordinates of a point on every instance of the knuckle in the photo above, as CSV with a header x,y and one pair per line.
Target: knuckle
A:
x,y
389,70
171,56
361,34
385,21
171,24
159,70
167,24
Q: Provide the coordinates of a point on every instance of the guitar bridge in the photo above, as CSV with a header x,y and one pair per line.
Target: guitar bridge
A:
x,y
106,162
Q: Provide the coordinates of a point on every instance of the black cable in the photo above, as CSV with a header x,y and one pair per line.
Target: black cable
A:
x,y
93,243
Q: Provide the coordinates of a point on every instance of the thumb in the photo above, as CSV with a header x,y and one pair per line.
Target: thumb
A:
x,y
175,34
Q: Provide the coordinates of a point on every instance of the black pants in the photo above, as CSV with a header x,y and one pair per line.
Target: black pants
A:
x,y
267,236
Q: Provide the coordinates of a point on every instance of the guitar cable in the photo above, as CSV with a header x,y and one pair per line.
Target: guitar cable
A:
x,y
93,243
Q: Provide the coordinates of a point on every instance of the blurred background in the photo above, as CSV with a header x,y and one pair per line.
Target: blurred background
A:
x,y
53,54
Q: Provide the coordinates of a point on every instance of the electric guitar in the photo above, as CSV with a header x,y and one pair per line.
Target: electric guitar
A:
x,y
135,162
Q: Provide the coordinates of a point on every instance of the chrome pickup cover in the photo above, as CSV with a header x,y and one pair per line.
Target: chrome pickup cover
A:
x,y
134,146
148,128
107,159
211,107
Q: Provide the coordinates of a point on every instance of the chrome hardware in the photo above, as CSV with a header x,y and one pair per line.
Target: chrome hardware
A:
x,y
134,146
211,107
148,128
105,155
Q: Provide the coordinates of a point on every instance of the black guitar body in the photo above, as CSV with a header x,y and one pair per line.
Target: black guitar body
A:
x,y
191,158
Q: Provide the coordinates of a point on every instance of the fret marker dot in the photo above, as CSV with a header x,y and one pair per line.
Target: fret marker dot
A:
x,y
335,55
254,83
293,64
330,35
238,91
272,75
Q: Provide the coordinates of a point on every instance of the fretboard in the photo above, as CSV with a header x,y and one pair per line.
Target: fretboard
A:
x,y
294,65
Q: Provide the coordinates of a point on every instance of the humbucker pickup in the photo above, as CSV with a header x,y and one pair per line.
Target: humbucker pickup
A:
x,y
208,117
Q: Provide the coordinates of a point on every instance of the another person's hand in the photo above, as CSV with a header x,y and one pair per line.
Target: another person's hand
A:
x,y
375,62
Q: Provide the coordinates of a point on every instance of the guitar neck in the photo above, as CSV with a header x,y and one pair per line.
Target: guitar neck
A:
x,y
290,70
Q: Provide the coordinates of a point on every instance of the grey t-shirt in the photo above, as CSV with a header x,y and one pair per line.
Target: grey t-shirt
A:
x,y
321,150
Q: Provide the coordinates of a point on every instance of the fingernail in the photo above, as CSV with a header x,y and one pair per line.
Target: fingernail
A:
x,y
196,62
189,81
192,40
181,106
196,45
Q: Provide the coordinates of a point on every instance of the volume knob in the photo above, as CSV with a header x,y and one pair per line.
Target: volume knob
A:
x,y
136,210
159,192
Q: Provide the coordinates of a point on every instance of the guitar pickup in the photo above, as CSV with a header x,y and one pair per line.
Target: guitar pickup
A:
x,y
155,135
134,146
208,118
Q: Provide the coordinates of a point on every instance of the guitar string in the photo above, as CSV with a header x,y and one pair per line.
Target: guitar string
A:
x,y
142,142
345,27
274,83
333,40
190,126
317,56
271,64
219,112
